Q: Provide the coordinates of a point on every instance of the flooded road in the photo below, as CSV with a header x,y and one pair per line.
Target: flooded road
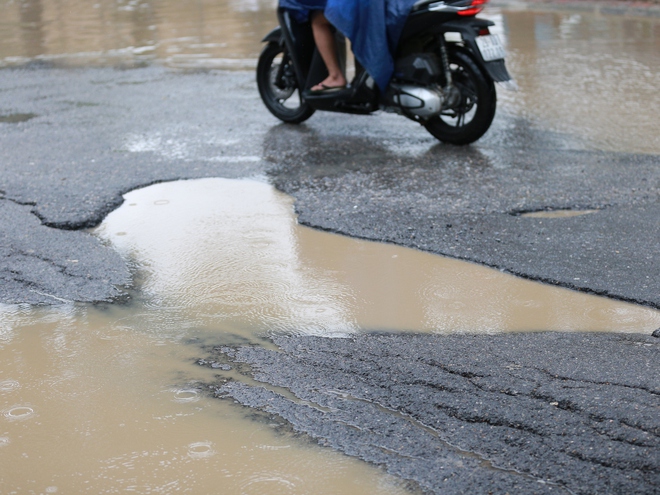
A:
x,y
586,74
200,34
217,262
580,72
116,388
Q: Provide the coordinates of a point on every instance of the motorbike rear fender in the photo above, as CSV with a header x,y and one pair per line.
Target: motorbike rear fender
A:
x,y
469,30
275,36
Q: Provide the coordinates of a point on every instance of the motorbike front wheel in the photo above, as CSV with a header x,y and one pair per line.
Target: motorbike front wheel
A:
x,y
474,108
278,86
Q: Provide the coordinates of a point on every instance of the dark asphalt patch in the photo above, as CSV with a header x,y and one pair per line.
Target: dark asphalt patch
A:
x,y
516,413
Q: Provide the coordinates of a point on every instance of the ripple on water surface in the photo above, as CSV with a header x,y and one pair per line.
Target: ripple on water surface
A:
x,y
9,385
185,395
18,413
270,483
201,450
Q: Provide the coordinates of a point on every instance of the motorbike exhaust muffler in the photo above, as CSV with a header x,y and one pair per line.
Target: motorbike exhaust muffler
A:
x,y
416,100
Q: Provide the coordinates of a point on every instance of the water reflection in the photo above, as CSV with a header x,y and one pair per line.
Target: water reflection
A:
x,y
587,74
32,25
229,253
75,32
245,267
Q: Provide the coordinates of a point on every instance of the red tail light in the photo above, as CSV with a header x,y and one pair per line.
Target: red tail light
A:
x,y
476,6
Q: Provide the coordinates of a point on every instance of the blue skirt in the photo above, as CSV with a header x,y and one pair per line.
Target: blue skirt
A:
x,y
301,8
373,26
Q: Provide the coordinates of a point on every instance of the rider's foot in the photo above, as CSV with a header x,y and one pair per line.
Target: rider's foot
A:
x,y
330,82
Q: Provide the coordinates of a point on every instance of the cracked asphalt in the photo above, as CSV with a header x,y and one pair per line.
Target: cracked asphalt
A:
x,y
469,413
530,413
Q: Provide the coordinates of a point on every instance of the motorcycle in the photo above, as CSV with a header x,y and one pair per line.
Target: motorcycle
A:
x,y
446,64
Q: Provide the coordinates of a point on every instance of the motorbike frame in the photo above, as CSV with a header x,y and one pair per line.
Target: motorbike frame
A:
x,y
436,19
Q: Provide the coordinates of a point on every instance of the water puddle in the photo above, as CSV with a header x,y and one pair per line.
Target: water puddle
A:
x,y
584,73
117,388
84,413
202,34
220,251
557,213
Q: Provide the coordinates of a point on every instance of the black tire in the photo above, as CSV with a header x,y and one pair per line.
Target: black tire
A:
x,y
282,98
470,118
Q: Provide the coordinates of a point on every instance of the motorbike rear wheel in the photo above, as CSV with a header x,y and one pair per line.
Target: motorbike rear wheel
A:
x,y
278,86
470,118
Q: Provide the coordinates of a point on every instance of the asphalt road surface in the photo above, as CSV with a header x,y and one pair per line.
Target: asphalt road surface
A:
x,y
529,413
511,413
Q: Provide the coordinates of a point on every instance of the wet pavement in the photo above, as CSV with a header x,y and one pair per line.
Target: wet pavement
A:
x,y
102,132
73,141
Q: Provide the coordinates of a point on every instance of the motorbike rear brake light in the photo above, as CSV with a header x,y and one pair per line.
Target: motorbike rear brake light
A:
x,y
476,6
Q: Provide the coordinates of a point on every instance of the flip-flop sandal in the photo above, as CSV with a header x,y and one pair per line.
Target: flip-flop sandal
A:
x,y
327,89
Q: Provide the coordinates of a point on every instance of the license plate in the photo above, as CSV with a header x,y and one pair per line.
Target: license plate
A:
x,y
491,47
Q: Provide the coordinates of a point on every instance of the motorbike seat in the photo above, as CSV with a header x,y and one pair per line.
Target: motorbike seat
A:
x,y
421,3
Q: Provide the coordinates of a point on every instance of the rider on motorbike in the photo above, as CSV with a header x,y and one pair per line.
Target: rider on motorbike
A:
x,y
432,61
312,10
372,27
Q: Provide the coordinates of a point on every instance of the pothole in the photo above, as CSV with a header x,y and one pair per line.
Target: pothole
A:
x,y
233,250
15,118
112,408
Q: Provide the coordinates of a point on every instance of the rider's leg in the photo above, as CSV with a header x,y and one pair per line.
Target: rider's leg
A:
x,y
325,42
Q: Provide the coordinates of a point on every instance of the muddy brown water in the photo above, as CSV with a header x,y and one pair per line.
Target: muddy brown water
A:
x,y
91,403
107,399
558,213
580,72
